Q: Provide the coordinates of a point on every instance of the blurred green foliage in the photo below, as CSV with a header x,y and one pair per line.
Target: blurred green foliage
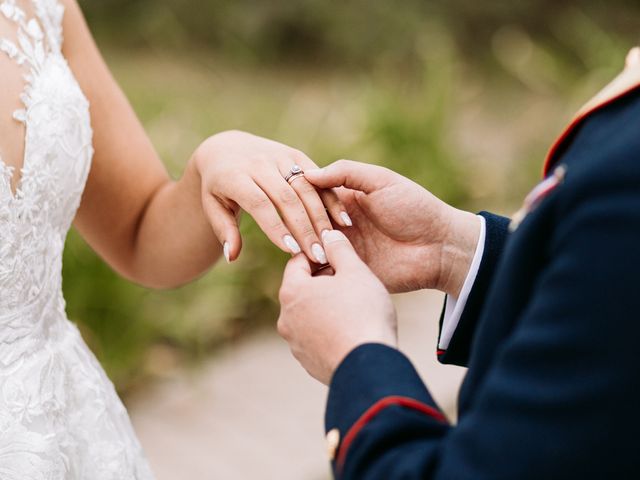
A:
x,y
461,96
345,32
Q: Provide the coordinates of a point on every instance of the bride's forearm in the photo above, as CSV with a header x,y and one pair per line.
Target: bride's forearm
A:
x,y
174,242
149,229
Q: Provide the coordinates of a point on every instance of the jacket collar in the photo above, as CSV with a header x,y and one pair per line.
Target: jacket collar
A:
x,y
625,83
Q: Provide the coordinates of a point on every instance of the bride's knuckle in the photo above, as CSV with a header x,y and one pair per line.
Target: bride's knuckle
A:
x,y
321,219
288,197
307,231
259,202
306,188
263,159
299,156
340,164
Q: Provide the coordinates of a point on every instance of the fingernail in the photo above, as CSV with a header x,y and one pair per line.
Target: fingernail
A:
x,y
346,219
291,244
329,236
226,250
318,252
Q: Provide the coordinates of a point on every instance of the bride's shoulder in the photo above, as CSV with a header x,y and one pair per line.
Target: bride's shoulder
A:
x,y
77,37
70,14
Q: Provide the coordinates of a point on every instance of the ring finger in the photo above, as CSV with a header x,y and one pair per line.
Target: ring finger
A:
x,y
312,202
319,202
293,212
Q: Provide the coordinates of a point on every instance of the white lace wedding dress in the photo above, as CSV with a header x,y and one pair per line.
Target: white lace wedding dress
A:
x,y
60,417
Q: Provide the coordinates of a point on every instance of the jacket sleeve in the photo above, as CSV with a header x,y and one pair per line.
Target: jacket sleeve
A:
x,y
457,352
561,397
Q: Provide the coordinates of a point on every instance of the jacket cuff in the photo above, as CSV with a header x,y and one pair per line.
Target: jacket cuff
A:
x,y
496,234
370,379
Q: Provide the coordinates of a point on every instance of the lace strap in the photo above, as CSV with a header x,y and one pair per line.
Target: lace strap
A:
x,y
31,45
51,13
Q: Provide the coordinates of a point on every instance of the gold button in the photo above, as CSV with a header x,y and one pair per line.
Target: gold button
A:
x,y
333,442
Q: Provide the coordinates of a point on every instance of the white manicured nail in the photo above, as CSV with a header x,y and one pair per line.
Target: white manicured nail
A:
x,y
318,252
346,219
291,244
226,250
329,236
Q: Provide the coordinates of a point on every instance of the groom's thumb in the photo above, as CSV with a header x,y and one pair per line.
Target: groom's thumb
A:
x,y
340,252
352,175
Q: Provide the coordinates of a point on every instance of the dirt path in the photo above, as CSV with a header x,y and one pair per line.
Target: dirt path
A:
x,y
253,413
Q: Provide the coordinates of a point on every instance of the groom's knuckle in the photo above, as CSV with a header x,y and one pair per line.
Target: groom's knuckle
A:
x,y
340,164
342,169
283,328
285,294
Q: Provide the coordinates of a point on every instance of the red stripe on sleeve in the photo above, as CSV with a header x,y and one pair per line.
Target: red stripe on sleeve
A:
x,y
374,410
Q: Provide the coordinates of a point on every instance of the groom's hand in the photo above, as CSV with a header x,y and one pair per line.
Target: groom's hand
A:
x,y
324,317
409,238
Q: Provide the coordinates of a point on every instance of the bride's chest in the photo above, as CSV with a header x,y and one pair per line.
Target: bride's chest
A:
x,y
57,147
43,185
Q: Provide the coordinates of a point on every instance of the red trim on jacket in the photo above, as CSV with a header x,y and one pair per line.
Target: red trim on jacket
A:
x,y
373,411
548,163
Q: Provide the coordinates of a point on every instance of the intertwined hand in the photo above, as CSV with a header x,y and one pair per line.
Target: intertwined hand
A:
x,y
408,237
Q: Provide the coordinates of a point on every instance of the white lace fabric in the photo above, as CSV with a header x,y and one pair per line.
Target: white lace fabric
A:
x,y
60,417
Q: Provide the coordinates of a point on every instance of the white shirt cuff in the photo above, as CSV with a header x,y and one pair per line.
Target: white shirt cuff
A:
x,y
455,306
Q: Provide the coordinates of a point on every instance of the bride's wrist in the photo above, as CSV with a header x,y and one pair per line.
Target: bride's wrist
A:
x,y
458,250
192,177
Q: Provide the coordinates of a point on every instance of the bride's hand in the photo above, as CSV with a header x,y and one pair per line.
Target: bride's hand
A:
x,y
242,171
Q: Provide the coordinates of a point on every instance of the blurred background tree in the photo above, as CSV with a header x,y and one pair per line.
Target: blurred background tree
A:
x,y
462,96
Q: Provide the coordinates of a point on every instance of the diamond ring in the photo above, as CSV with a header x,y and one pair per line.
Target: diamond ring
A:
x,y
295,172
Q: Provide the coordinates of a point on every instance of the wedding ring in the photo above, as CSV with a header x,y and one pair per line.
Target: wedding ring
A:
x,y
295,172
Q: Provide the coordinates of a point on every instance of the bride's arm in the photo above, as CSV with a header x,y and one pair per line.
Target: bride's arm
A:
x,y
162,233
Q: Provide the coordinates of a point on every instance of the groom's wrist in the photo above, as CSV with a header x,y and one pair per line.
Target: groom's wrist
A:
x,y
458,250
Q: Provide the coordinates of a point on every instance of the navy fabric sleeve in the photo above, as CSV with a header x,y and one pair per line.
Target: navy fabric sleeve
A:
x,y
560,399
497,231
370,373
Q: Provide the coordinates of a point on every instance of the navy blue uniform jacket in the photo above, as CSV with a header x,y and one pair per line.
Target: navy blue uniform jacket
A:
x,y
550,334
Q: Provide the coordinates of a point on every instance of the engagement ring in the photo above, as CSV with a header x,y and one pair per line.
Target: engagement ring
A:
x,y
295,172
